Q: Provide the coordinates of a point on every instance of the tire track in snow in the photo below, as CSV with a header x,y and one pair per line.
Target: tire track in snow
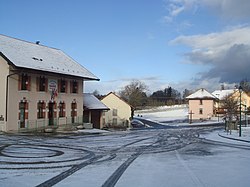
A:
x,y
197,182
113,179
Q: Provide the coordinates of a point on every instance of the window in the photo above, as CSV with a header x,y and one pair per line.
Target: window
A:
x,y
201,102
23,112
114,121
63,86
61,109
40,109
24,82
41,84
201,111
74,86
114,112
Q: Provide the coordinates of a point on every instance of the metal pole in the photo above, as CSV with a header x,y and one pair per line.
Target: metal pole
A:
x,y
240,114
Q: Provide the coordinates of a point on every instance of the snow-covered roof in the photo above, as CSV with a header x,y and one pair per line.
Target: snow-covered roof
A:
x,y
92,103
29,55
201,94
220,94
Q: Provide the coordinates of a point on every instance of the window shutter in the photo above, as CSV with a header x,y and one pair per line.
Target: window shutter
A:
x,y
66,86
46,85
71,86
29,83
19,82
37,84
44,111
26,110
64,110
55,109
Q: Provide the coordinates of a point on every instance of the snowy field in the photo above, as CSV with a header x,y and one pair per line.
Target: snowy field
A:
x,y
164,113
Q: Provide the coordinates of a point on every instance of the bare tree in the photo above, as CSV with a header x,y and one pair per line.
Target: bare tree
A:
x,y
135,93
230,106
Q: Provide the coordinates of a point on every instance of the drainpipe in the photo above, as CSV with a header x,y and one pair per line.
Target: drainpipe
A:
x,y
7,93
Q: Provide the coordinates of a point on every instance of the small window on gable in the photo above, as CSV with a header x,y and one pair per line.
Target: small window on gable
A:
x,y
201,102
114,112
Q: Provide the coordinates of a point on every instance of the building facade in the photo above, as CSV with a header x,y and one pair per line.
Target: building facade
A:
x,y
201,105
93,110
41,86
120,112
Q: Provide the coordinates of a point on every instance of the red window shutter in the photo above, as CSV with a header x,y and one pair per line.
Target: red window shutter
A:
x,y
19,82
66,86
55,111
71,86
46,85
26,110
29,83
77,87
37,84
64,113
44,112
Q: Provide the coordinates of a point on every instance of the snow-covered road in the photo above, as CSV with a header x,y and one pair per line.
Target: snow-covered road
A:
x,y
160,157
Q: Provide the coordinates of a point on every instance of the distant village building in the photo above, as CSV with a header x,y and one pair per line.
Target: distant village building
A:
x,y
120,112
221,95
201,104
93,110
40,86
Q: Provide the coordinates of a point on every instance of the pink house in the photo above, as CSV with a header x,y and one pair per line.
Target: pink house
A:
x,y
201,105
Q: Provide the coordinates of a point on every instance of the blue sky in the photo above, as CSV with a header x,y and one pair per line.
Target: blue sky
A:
x,y
179,43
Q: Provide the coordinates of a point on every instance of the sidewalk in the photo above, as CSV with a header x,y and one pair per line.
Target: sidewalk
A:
x,y
234,138
245,135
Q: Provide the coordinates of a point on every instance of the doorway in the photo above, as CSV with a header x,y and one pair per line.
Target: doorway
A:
x,y
73,112
22,107
51,113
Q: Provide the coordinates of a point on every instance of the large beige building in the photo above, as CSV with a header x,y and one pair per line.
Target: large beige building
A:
x,y
40,86
120,112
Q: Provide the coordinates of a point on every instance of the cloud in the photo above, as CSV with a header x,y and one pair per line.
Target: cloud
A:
x,y
229,9
103,87
226,53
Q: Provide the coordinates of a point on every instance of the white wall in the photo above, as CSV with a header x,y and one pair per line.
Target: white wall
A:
x,y
123,110
4,71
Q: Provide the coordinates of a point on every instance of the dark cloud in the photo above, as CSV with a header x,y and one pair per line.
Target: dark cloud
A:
x,y
232,66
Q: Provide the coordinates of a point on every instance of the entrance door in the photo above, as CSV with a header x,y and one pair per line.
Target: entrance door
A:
x,y
51,113
73,112
22,114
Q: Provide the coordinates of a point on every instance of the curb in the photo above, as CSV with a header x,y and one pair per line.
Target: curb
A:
x,y
234,138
